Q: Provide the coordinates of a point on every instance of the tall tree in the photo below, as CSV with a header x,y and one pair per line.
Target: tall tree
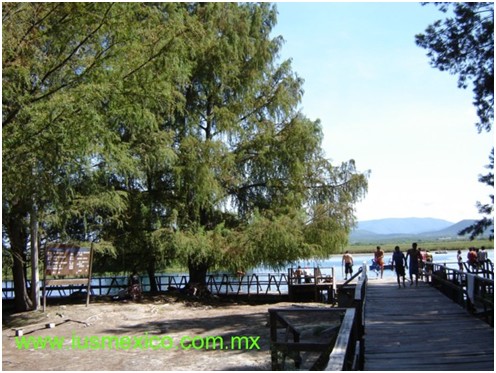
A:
x,y
246,158
48,120
464,45
64,65
166,130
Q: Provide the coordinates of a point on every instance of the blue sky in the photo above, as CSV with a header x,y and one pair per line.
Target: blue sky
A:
x,y
382,104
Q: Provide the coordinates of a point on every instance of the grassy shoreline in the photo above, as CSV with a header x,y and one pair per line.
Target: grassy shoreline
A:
x,y
362,248
359,248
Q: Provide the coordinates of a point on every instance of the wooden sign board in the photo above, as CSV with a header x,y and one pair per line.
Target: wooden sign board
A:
x,y
71,262
65,260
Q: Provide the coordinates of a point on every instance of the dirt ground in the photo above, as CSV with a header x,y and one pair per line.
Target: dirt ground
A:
x,y
164,319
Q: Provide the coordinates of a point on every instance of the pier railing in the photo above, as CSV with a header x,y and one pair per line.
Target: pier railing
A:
x,y
349,351
471,291
295,330
484,269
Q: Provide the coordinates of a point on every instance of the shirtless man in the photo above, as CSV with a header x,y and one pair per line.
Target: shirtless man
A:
x,y
348,264
413,265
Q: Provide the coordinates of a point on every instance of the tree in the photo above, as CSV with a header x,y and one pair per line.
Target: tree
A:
x,y
162,131
47,113
464,45
249,164
69,71
481,226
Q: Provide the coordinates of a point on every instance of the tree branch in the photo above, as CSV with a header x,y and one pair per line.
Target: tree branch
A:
x,y
65,60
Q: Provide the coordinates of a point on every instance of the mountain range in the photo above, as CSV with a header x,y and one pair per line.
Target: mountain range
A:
x,y
404,228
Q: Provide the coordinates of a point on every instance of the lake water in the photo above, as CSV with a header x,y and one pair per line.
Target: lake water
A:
x,y
325,266
335,261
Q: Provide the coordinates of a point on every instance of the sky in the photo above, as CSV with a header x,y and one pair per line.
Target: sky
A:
x,y
383,105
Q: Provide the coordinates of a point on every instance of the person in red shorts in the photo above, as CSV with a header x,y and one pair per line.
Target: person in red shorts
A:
x,y
472,257
379,259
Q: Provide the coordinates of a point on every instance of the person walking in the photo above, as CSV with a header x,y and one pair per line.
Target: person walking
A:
x,y
348,264
399,263
379,259
413,265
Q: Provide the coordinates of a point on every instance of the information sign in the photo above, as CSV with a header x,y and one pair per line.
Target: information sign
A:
x,y
63,260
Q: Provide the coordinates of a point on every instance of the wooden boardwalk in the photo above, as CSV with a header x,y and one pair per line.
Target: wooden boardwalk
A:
x,y
420,329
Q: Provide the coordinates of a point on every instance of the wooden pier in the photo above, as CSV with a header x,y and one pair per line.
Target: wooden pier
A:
x,y
312,286
419,329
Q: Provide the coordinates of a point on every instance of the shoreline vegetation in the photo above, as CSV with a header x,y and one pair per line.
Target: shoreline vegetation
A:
x,y
356,248
437,245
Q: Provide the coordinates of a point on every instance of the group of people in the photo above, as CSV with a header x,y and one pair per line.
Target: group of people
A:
x,y
475,258
302,273
414,261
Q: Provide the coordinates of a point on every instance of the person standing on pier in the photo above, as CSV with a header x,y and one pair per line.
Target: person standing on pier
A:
x,y
298,273
459,260
472,257
348,264
482,256
413,265
379,259
399,263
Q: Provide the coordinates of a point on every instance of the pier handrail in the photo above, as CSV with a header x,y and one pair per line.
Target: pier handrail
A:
x,y
352,353
343,353
338,351
472,292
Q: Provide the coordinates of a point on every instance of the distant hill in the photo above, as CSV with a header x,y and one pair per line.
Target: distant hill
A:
x,y
403,225
395,229
452,230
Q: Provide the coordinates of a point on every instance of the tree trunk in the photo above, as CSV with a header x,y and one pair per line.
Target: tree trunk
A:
x,y
22,301
35,276
151,276
18,239
198,273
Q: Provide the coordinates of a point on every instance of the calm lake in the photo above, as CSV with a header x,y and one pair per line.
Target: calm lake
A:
x,y
334,261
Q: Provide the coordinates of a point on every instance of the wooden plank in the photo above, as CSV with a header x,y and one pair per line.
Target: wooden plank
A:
x,y
72,281
419,328
338,354
300,346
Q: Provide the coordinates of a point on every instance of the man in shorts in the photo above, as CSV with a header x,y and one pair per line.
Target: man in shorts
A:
x,y
348,264
399,263
413,265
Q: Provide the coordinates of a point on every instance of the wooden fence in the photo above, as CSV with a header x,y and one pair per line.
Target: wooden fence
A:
x,y
299,333
468,289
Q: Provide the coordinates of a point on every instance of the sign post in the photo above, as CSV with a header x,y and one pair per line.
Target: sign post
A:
x,y
68,261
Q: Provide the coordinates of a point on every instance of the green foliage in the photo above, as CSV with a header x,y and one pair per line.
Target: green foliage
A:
x,y
480,227
166,132
464,45
272,240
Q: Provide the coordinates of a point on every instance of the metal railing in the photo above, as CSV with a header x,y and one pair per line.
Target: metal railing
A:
x,y
218,284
